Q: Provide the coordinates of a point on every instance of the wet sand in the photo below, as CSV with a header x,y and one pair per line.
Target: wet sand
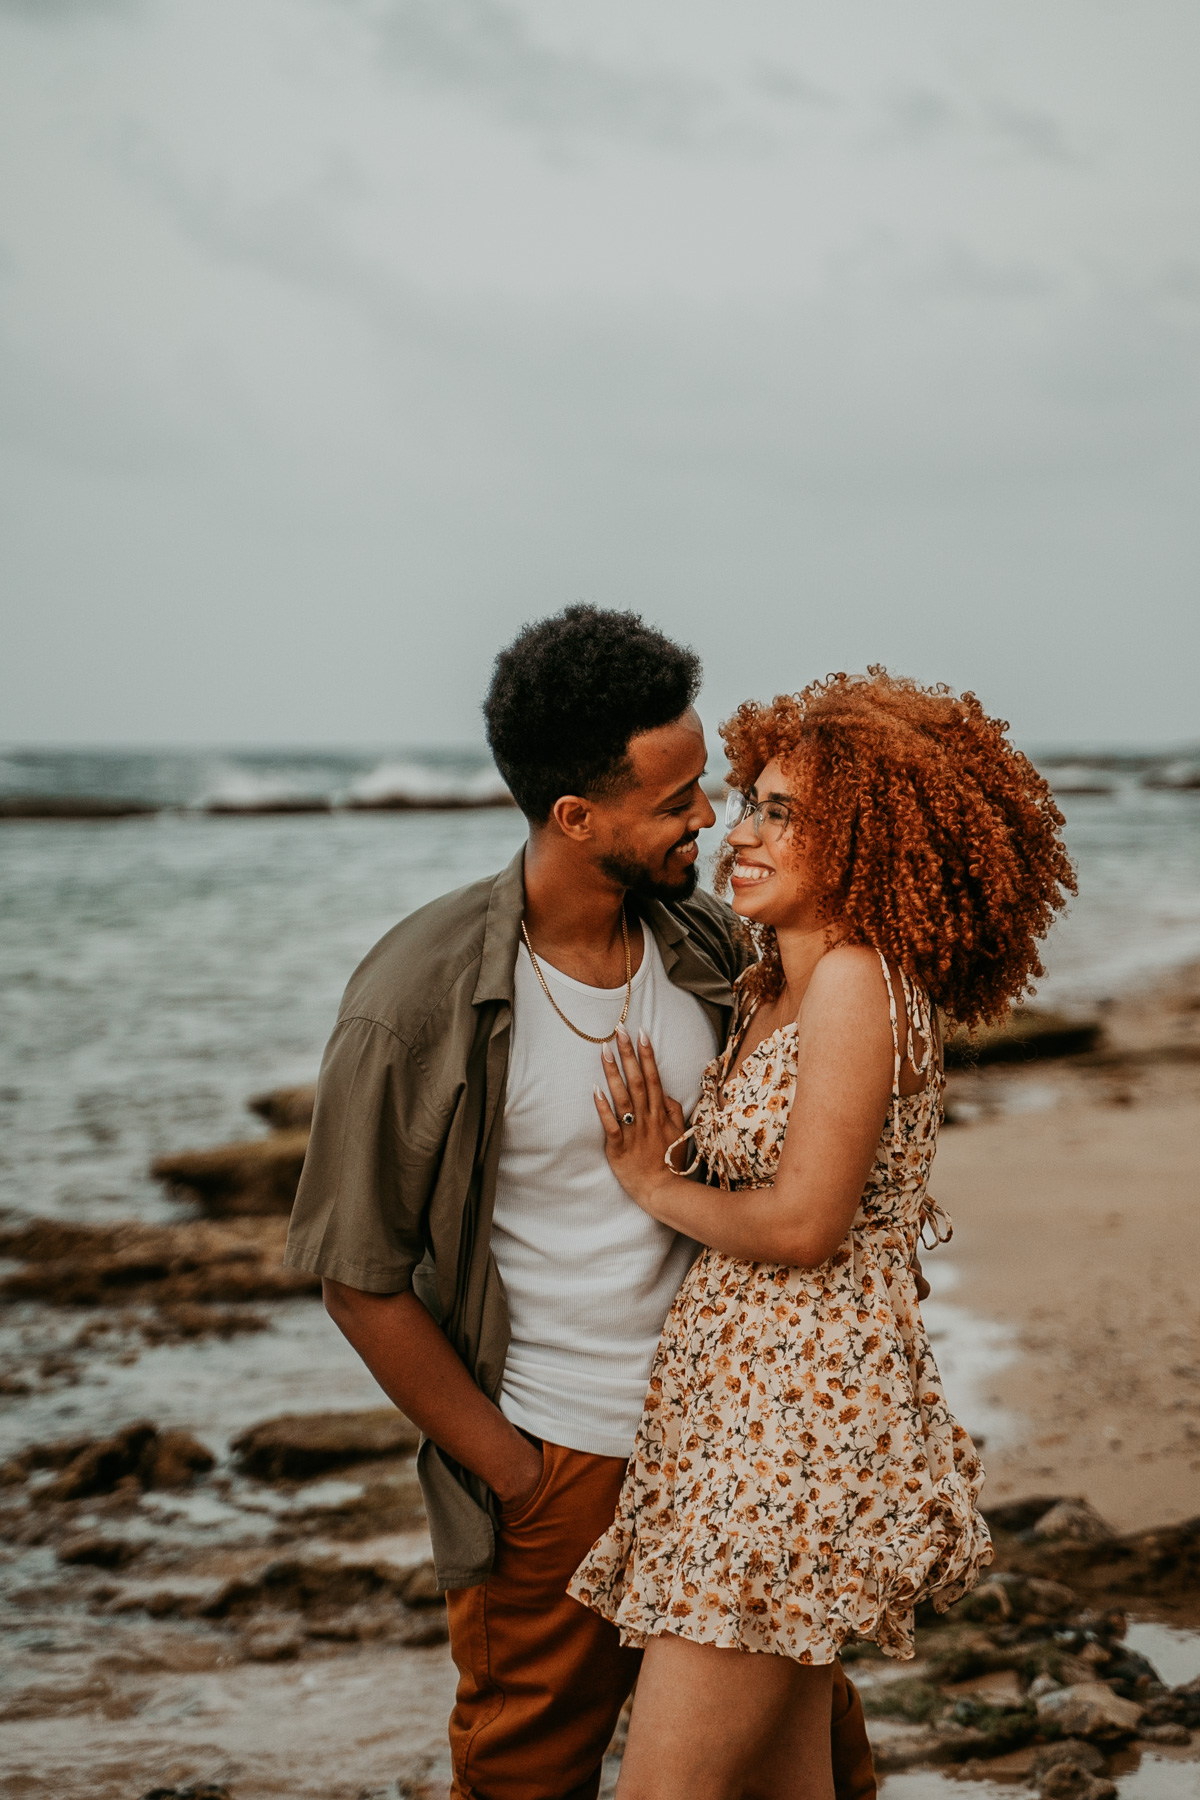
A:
x,y
1075,1195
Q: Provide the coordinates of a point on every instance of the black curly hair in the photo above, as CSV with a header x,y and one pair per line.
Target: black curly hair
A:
x,y
569,693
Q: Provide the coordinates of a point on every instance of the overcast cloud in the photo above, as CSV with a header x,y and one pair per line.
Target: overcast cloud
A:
x,y
338,337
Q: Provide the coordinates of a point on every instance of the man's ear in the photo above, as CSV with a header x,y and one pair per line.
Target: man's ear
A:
x,y
573,816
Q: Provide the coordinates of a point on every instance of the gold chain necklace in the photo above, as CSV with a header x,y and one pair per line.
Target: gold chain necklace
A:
x,y
558,1009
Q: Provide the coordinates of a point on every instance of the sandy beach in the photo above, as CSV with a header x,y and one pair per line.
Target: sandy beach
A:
x,y
1075,1197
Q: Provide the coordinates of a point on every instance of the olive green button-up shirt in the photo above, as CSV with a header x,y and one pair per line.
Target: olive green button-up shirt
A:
x,y
399,1180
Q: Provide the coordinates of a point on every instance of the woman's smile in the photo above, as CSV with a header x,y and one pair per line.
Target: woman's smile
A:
x,y
746,874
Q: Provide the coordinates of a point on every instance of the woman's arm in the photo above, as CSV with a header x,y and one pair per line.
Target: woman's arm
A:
x,y
843,1089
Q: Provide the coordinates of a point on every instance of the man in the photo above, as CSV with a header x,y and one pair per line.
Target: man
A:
x,y
475,1248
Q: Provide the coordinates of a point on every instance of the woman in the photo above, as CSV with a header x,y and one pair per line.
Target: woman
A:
x,y
798,1480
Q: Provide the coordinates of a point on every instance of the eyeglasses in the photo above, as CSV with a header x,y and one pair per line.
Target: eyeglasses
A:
x,y
771,817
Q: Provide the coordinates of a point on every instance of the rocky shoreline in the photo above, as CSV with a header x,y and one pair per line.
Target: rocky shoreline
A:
x,y
238,1605
305,1542
83,808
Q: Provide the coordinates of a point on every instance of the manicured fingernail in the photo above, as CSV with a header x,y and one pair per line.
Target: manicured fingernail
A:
x,y
598,1095
622,1033
607,1054
643,1039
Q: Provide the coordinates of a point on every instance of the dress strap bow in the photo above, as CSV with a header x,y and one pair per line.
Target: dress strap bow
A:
x,y
935,1221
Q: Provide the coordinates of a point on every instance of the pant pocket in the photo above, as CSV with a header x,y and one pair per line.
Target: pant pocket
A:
x,y
510,1520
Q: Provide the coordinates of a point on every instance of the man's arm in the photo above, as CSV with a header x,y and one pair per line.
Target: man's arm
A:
x,y
417,1367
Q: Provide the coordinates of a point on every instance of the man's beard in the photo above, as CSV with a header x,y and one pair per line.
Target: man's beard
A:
x,y
639,881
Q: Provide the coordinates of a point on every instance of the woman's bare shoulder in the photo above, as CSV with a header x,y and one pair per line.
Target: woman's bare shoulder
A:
x,y
848,983
849,971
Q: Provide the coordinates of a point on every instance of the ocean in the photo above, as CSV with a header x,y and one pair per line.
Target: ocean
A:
x,y
158,969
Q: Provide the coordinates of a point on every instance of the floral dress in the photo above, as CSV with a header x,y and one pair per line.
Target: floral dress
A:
x,y
798,1479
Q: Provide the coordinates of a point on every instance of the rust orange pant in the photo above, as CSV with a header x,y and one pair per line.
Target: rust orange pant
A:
x,y
541,1679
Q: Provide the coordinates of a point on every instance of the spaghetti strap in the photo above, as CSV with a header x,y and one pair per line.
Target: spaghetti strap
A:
x,y
919,1017
895,1108
918,1023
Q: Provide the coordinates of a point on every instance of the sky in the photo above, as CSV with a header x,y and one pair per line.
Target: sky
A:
x,y
338,338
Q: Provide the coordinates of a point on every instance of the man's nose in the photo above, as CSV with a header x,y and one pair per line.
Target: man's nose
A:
x,y
704,813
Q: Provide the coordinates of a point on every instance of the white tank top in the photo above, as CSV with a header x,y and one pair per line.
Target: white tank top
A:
x,y
589,1276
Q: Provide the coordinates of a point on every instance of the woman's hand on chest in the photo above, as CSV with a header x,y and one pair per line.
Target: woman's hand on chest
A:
x,y
640,1121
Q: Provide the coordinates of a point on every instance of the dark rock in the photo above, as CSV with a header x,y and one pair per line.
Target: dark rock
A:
x,y
1108,1622
174,1459
329,1598
916,1701
208,1790
1089,1709
1165,1734
1020,1515
448,802
989,1730
315,1585
998,1688
1177,775
286,1108
1052,1599
54,1455
167,1265
269,807
71,806
1075,1522
104,1463
1181,1706
1048,1658
272,1644
298,1445
1004,1595
139,1456
1164,1561
1068,1750
185,1319
1067,1781
1132,1676
421,1589
1027,1033
965,1657
93,1548
233,1180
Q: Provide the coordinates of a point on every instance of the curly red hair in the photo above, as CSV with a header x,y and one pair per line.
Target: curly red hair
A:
x,y
929,835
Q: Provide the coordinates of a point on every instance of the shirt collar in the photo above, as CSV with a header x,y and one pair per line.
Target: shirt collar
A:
x,y
502,933
683,962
